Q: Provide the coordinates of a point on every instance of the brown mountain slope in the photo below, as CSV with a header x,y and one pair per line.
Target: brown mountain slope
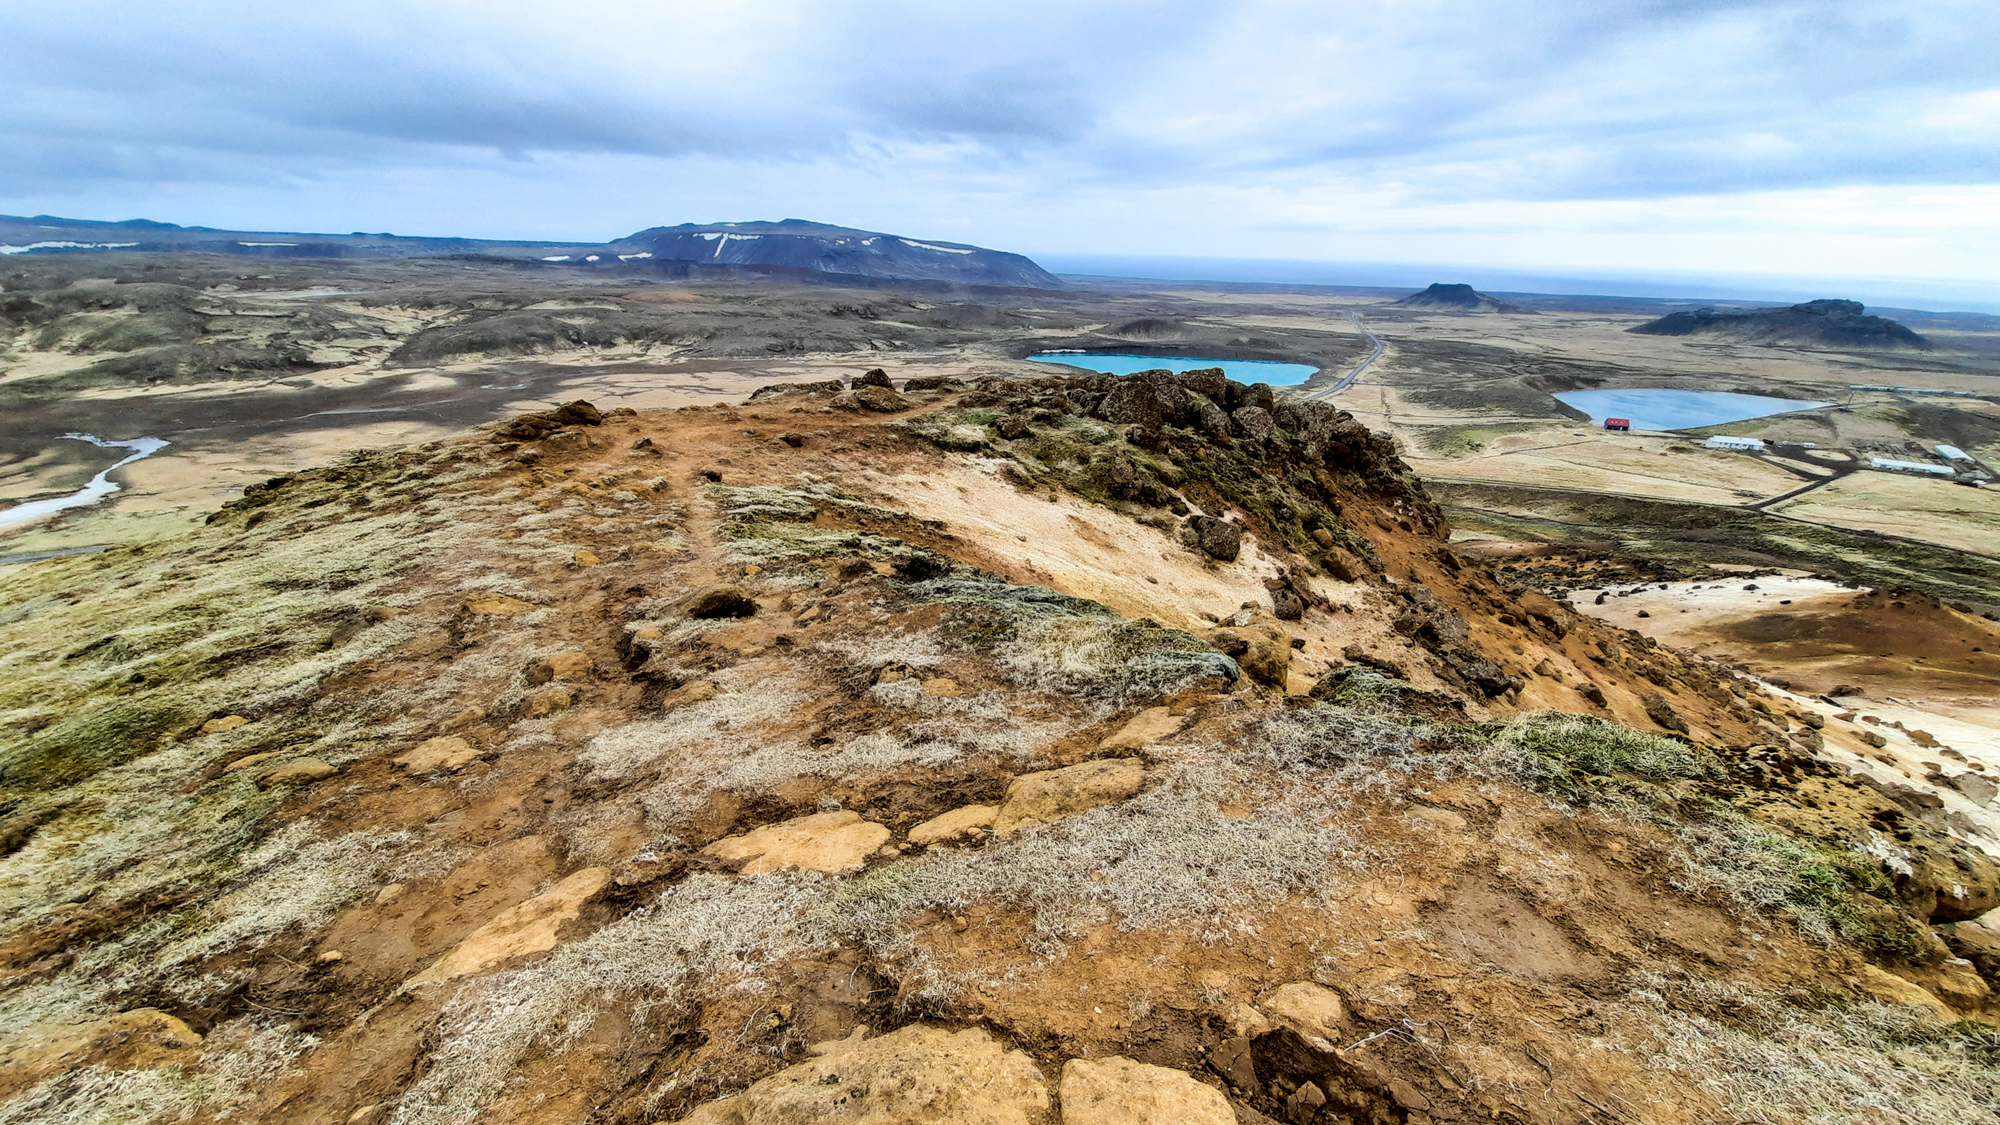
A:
x,y
600,768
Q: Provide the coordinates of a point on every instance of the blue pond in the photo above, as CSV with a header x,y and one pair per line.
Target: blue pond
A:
x,y
1241,370
1661,409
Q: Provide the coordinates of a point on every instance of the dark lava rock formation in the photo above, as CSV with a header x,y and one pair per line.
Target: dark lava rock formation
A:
x,y
1824,323
1463,298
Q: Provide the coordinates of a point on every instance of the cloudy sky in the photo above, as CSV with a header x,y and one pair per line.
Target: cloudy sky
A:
x,y
1704,138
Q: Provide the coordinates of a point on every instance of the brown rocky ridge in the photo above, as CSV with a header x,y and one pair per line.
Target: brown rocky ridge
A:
x,y
1072,750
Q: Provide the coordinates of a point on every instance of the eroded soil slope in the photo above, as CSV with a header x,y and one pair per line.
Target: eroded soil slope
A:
x,y
1007,752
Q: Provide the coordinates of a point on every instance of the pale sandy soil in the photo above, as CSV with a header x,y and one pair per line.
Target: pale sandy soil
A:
x,y
1933,511
1080,548
1962,717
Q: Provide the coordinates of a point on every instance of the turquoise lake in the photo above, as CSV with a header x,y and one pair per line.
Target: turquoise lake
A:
x,y
1241,370
1662,409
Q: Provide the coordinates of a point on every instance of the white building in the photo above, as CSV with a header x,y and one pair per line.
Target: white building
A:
x,y
1952,453
1737,444
1923,467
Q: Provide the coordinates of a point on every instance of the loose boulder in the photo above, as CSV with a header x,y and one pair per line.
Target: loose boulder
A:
x,y
1218,539
721,601
437,755
301,772
521,930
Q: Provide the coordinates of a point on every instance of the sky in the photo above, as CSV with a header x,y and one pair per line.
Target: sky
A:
x,y
1758,142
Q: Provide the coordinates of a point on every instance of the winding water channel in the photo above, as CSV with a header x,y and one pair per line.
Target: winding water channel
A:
x,y
99,487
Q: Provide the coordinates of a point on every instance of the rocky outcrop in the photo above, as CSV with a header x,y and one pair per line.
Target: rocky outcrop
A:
x,y
1038,798
914,1074
1119,1091
828,841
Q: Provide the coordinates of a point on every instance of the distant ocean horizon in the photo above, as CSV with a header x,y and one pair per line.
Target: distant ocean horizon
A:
x,y
1886,293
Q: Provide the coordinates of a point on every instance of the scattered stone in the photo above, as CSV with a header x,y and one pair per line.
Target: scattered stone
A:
x,y
548,701
575,664
1977,789
496,605
943,687
1253,422
435,755
874,377
1959,985
965,822
1118,1091
1312,1010
141,1039
1872,738
1144,729
1663,713
794,440
568,441
721,601
331,957
1342,564
916,1073
1037,798
301,772
225,723
1232,1059
1263,647
829,842
1218,539
1013,427
1304,1103
585,558
880,400
1323,537
1892,989
1287,605
520,930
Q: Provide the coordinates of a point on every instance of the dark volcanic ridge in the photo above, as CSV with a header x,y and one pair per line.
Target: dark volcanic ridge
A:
x,y
1460,297
1824,323
794,247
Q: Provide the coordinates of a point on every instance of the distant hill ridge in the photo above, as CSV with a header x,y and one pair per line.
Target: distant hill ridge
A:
x,y
1454,296
792,247
1826,323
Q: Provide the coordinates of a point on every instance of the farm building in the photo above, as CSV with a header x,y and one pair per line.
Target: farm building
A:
x,y
1737,444
1952,453
1924,467
1618,423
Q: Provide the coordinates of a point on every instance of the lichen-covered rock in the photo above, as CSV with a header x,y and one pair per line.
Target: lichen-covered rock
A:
x,y
914,1074
874,377
880,400
1037,798
1119,1091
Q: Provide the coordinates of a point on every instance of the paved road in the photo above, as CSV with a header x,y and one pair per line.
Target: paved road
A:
x,y
1351,376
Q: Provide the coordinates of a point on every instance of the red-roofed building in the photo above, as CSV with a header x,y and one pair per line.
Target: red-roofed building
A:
x,y
1618,423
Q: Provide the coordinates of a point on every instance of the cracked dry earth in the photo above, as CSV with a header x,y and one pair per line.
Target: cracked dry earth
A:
x,y
797,762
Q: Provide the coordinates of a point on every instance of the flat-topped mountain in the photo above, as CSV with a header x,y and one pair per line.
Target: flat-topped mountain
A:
x,y
796,244
793,247
1459,297
1824,323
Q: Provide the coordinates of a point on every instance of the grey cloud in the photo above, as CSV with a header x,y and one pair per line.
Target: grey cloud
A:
x,y
1527,99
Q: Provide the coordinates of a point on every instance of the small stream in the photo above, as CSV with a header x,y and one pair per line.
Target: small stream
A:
x,y
99,487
